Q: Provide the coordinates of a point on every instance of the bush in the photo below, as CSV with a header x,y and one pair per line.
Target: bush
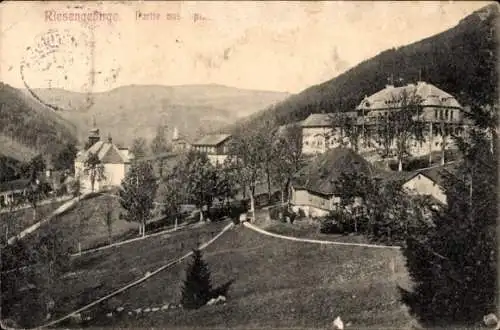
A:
x,y
334,223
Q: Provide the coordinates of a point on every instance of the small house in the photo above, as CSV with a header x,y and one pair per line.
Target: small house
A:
x,y
314,187
215,146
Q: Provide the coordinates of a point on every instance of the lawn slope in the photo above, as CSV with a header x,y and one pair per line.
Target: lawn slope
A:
x,y
278,284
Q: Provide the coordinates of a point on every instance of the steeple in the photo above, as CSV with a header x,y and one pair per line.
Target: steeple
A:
x,y
93,133
175,136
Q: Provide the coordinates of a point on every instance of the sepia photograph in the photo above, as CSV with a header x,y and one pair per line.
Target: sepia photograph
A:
x,y
249,165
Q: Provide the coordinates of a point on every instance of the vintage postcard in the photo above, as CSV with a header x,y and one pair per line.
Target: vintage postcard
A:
x,y
249,164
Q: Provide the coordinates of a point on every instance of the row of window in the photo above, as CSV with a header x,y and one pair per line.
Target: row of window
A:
x,y
443,114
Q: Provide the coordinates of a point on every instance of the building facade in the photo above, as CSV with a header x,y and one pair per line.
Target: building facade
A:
x,y
215,146
179,143
437,115
114,163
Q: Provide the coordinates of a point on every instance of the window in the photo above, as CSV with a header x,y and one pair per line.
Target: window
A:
x,y
446,114
451,114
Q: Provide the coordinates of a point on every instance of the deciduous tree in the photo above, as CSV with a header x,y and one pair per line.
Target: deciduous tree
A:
x,y
159,145
287,158
94,169
139,148
137,194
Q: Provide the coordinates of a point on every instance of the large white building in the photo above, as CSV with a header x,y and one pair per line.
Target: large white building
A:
x,y
438,112
114,161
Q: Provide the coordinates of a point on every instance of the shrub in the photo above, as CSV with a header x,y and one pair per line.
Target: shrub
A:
x,y
334,223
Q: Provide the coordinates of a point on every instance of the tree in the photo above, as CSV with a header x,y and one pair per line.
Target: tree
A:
x,y
225,182
109,219
405,118
139,148
160,145
199,179
8,218
349,129
197,288
33,195
287,158
248,162
264,139
47,258
64,160
454,265
171,194
94,169
137,193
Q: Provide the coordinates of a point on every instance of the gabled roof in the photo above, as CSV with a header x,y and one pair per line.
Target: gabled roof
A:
x,y
429,94
434,173
212,140
326,119
322,173
107,152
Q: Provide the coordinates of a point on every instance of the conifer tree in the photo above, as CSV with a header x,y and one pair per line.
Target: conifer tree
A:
x,y
197,288
453,264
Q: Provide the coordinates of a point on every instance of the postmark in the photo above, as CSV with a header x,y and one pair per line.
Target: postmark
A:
x,y
59,58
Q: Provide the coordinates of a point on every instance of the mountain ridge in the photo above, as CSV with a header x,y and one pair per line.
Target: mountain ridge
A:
x,y
132,111
461,61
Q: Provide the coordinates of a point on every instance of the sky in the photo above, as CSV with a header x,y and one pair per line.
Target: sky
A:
x,y
276,46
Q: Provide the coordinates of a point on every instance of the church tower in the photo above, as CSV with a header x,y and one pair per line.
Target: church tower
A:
x,y
93,135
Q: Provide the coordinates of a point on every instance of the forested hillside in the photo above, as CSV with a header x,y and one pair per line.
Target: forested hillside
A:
x,y
461,61
28,128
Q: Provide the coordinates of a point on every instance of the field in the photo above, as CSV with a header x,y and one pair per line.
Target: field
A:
x,y
23,218
277,283
85,223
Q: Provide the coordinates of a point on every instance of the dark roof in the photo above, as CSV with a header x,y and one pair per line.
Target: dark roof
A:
x,y
14,185
163,155
434,173
321,174
107,153
429,94
212,140
326,119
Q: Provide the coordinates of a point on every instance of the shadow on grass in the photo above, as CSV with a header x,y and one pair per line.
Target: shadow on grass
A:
x,y
223,289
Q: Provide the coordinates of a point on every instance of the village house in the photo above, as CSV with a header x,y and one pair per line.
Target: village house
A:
x,y
428,182
314,187
13,191
215,146
440,112
115,162
322,131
